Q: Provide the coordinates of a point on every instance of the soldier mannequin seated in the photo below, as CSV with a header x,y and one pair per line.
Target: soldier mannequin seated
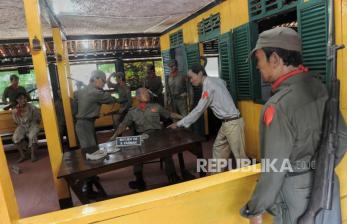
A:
x,y
28,118
146,119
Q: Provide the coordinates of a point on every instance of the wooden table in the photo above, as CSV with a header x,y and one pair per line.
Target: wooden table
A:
x,y
75,169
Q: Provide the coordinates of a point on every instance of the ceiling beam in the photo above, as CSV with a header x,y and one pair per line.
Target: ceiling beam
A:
x,y
112,36
53,20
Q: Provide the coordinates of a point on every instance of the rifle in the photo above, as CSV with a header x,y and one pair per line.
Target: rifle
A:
x,y
322,188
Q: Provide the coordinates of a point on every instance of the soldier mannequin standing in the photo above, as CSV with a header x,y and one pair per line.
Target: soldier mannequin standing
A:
x,y
178,90
28,118
290,130
146,119
154,84
88,102
124,96
86,105
11,92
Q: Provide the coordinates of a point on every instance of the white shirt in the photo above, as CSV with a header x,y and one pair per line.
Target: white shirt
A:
x,y
216,96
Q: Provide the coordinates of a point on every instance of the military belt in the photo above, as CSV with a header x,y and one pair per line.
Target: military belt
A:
x,y
293,174
184,94
87,119
231,119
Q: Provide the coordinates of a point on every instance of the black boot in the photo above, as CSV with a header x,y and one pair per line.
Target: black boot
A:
x,y
139,183
89,191
173,178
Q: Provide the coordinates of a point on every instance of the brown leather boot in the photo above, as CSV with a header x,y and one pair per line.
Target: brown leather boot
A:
x,y
33,150
21,147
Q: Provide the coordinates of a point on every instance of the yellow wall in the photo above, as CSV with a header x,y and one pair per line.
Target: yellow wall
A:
x,y
199,201
233,13
250,112
214,199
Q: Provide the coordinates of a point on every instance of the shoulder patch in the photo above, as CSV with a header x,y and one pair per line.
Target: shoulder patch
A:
x,y
204,95
278,96
269,114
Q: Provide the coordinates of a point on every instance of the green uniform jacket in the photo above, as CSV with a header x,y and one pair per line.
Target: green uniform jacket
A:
x,y
124,94
11,94
155,85
147,119
290,130
87,102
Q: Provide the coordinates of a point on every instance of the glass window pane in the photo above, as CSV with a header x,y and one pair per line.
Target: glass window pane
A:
x,y
80,74
28,81
212,67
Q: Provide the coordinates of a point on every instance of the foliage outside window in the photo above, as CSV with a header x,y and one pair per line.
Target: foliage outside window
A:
x,y
136,71
107,68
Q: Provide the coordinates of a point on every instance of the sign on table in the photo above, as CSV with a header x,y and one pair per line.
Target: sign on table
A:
x,y
128,141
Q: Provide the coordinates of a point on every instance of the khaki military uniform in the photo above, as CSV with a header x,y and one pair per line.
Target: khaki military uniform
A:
x,y
147,121
290,130
10,92
28,124
178,93
124,100
88,102
155,85
230,136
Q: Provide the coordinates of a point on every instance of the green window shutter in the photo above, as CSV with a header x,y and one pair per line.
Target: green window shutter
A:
x,y
313,29
259,9
176,39
209,28
243,69
166,59
226,66
193,57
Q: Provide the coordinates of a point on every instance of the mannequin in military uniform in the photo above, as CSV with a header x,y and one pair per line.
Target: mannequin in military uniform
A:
x,y
178,90
153,83
124,97
290,130
146,119
28,118
11,92
88,102
86,107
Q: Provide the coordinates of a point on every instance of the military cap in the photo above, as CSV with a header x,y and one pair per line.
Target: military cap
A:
x,y
120,75
278,37
97,74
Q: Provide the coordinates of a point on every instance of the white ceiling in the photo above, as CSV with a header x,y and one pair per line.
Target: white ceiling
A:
x,y
100,17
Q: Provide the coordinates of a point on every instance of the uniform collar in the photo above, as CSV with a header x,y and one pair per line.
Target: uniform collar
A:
x,y
14,86
174,73
142,106
279,82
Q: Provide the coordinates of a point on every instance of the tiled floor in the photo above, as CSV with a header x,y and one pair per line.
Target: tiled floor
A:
x,y
35,191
